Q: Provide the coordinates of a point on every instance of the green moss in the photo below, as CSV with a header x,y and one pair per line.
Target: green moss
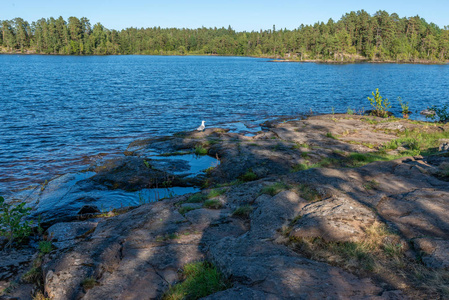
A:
x,y
201,279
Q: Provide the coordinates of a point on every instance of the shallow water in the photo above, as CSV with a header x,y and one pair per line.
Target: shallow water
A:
x,y
62,114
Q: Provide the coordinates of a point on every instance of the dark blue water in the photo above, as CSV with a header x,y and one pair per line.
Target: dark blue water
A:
x,y
62,113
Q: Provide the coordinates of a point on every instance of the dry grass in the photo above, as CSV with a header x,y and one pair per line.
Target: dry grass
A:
x,y
382,255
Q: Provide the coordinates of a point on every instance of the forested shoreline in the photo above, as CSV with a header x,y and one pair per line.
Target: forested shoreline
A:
x,y
356,36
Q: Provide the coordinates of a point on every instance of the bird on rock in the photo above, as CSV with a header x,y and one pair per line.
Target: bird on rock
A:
x,y
202,126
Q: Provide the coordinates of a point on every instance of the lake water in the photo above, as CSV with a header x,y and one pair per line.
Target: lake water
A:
x,y
60,114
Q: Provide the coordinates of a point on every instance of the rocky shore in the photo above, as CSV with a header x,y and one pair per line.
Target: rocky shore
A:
x,y
329,207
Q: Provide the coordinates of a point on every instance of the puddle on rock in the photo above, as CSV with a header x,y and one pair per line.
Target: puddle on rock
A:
x,y
245,129
61,198
186,164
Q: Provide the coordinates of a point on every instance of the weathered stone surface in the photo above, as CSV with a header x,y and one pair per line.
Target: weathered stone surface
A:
x,y
131,255
137,255
418,213
241,292
339,219
274,212
131,173
65,234
88,209
275,270
436,252
204,217
192,205
12,261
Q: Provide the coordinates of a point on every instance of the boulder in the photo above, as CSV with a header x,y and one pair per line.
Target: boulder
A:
x,y
444,145
282,274
274,212
339,219
66,234
436,254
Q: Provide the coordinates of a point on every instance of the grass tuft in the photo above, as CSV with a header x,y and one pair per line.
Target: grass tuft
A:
x,y
275,188
34,275
248,176
196,198
213,204
330,135
89,283
200,280
308,193
215,193
45,247
243,211
417,142
185,209
200,150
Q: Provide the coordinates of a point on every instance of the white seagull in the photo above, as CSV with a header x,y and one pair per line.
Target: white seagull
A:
x,y
202,126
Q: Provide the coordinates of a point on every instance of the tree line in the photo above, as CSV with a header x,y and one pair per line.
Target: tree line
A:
x,y
357,35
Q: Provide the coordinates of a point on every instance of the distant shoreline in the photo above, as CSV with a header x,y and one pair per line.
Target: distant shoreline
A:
x,y
272,58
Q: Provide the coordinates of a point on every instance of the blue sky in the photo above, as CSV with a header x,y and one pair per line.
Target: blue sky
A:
x,y
241,15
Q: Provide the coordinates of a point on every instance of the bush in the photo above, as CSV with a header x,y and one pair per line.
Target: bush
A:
x,y
441,114
404,108
379,104
12,223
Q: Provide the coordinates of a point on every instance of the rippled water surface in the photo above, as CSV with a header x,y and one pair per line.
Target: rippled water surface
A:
x,y
62,113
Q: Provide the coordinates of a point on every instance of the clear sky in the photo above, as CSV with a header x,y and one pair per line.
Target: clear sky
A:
x,y
241,15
